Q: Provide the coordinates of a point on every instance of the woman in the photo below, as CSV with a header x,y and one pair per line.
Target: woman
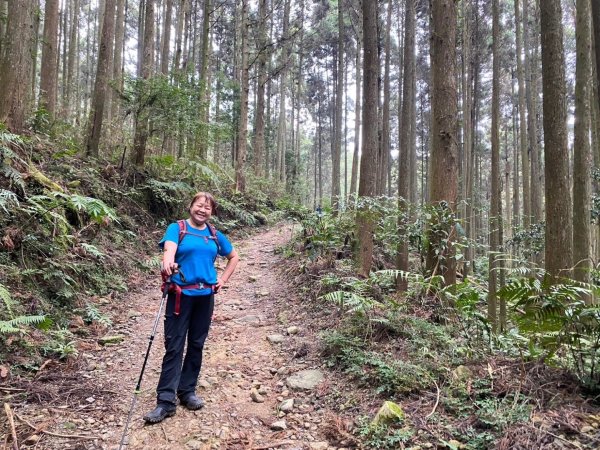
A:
x,y
190,248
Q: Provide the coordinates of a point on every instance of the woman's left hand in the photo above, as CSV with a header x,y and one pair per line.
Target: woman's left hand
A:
x,y
218,285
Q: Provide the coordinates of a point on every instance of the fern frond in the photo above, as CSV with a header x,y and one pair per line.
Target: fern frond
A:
x,y
7,299
16,325
8,199
92,250
14,176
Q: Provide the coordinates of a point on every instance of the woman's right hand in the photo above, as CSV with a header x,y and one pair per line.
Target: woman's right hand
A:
x,y
169,268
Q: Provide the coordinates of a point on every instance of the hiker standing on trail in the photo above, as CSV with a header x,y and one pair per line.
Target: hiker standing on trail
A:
x,y
190,248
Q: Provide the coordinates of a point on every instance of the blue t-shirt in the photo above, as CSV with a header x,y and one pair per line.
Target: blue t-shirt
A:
x,y
196,255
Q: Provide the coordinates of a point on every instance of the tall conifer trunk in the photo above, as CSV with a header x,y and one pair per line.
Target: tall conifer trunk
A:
x,y
559,235
444,150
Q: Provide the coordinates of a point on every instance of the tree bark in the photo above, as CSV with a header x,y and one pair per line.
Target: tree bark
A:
x,y
101,83
444,150
259,114
141,122
559,236
240,178
15,70
531,94
582,161
339,103
204,93
357,112
117,74
368,167
49,68
405,141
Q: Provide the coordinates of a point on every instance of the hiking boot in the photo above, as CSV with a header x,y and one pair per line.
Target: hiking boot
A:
x,y
192,402
159,414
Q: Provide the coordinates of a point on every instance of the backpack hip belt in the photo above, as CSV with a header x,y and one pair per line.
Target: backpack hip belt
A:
x,y
178,290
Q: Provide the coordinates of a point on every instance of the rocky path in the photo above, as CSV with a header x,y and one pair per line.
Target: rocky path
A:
x,y
260,382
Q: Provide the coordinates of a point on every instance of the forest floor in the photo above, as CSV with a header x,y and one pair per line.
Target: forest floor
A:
x,y
85,405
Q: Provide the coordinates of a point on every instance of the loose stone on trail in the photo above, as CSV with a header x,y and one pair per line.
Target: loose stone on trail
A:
x,y
280,425
275,338
256,397
293,330
287,405
305,379
111,340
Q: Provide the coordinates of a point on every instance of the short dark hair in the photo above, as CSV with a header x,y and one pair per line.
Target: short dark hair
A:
x,y
209,198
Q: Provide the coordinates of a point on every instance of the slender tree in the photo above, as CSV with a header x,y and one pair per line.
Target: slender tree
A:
x,y
368,168
496,200
242,132
535,192
582,153
559,236
405,138
141,120
16,65
259,110
444,150
101,83
204,83
49,69
339,104
357,111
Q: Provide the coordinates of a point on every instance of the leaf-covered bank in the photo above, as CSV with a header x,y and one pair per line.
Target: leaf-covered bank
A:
x,y
432,350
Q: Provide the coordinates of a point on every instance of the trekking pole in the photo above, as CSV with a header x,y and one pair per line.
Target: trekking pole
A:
x,y
165,294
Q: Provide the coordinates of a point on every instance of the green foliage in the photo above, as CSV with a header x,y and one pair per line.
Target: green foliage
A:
x,y
8,199
530,242
552,316
386,376
16,324
7,158
93,314
61,344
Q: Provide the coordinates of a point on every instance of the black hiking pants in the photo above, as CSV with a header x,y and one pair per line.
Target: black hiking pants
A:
x,y
193,322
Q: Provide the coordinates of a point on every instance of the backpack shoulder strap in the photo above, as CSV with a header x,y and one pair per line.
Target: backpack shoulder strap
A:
x,y
182,230
213,235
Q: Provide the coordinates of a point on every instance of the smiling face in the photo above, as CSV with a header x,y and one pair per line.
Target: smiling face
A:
x,y
201,211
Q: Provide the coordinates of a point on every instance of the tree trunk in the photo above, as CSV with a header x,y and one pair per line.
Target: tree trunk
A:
x,y
259,114
101,83
3,19
166,38
204,93
559,236
179,36
405,141
582,161
522,121
496,201
281,128
141,122
531,93
240,178
357,112
339,104
117,74
444,151
368,167
15,70
49,69
596,22
73,50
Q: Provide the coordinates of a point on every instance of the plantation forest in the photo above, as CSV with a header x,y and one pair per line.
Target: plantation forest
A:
x,y
412,186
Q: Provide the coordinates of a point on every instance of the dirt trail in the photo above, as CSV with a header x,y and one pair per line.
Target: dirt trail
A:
x,y
238,357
